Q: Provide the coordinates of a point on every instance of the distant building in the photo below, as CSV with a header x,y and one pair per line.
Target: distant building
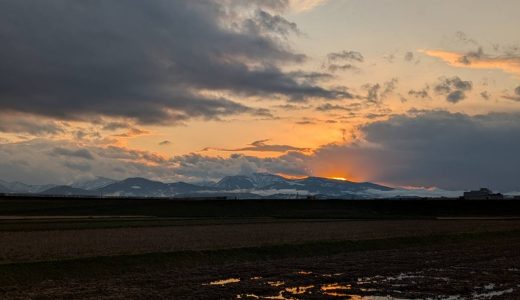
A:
x,y
482,194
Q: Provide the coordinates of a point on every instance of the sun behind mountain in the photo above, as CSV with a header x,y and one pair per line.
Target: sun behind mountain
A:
x,y
339,178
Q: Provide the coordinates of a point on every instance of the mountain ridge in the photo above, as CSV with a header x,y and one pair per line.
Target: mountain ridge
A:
x,y
256,185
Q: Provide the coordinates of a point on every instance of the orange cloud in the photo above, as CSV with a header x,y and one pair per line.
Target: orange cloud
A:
x,y
477,60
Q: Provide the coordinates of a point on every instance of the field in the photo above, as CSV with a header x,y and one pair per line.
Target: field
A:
x,y
173,249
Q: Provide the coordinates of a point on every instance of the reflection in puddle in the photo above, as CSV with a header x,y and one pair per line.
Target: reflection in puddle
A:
x,y
335,289
366,288
280,296
299,290
304,273
275,283
224,281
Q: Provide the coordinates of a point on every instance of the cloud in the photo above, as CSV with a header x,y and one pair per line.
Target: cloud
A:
x,y
345,56
376,92
432,148
451,151
343,61
463,38
453,88
515,96
478,60
44,161
23,124
408,56
164,143
261,146
79,153
422,93
148,61
132,132
330,107
305,5
485,95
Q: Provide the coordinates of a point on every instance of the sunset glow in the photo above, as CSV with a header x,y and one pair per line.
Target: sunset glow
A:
x,y
339,178
334,89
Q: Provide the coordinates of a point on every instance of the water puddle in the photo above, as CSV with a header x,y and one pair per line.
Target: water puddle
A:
x,y
275,283
223,281
299,290
335,289
280,296
304,273
399,286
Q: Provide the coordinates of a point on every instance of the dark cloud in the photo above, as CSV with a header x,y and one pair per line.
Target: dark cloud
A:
x,y
199,167
77,153
111,126
292,107
343,67
389,87
435,148
377,92
455,96
471,56
78,166
20,124
453,88
372,92
485,95
422,93
165,143
343,61
146,60
408,56
331,107
345,56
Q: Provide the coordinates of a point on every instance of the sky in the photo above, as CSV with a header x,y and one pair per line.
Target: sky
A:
x,y
408,93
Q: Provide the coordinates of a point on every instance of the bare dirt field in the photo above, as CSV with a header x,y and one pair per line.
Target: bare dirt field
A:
x,y
483,267
26,246
162,249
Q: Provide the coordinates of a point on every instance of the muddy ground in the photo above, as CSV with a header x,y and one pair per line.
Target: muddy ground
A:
x,y
487,269
447,266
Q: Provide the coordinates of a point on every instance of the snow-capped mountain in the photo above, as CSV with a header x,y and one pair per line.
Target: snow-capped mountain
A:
x,y
93,184
22,188
138,187
238,182
257,185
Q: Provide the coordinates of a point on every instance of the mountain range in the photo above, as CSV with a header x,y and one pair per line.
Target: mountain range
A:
x,y
257,185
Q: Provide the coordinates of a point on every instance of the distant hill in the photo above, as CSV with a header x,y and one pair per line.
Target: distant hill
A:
x,y
257,185
137,187
93,184
22,188
64,190
3,189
